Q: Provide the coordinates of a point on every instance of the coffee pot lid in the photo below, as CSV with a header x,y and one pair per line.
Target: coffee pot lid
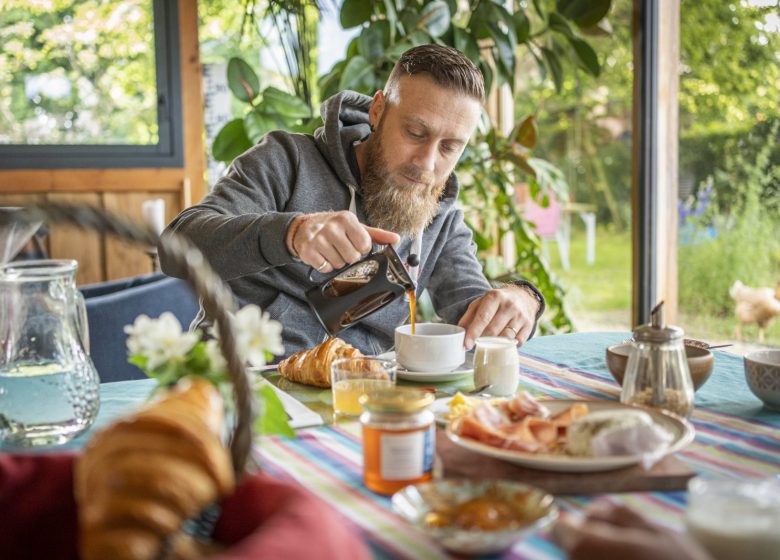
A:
x,y
656,331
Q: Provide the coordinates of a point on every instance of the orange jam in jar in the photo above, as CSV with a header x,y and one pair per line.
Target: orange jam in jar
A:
x,y
399,438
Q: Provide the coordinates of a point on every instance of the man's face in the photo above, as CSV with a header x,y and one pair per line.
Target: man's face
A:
x,y
421,130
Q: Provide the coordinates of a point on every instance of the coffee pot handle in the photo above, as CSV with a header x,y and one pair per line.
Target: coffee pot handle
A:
x,y
82,325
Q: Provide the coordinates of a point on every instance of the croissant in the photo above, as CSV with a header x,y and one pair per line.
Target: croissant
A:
x,y
141,477
312,367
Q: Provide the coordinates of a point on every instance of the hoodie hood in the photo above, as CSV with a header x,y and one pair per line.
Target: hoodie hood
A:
x,y
345,118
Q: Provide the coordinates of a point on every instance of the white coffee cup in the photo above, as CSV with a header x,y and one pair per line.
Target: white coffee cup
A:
x,y
432,347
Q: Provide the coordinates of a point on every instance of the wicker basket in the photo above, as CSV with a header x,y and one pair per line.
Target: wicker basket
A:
x,y
214,295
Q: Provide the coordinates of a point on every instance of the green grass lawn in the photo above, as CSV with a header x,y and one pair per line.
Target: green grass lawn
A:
x,y
599,295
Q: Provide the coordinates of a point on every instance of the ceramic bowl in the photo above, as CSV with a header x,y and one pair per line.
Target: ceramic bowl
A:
x,y
762,371
700,362
422,504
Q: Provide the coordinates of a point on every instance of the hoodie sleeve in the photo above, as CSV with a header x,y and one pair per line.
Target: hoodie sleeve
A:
x,y
457,277
241,225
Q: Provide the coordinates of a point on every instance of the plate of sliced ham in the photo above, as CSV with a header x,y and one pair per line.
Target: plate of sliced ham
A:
x,y
569,435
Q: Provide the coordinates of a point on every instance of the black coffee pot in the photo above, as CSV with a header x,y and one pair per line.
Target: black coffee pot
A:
x,y
350,294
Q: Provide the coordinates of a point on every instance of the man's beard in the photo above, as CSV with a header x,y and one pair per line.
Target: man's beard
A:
x,y
405,210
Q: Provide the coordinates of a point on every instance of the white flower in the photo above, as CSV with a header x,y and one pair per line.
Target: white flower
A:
x,y
256,334
160,340
216,358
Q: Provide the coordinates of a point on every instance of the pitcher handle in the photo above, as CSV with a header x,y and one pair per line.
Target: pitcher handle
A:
x,y
82,325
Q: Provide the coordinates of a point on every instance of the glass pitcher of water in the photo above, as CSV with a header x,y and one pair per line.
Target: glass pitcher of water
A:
x,y
49,388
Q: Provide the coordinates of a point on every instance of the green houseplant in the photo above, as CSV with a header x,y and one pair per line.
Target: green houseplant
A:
x,y
491,35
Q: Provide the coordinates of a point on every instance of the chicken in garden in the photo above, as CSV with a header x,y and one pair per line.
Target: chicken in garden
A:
x,y
755,305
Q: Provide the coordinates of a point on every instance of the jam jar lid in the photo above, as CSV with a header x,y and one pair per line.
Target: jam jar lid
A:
x,y
404,400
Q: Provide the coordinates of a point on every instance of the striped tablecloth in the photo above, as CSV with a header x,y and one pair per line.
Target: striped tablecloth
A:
x,y
735,436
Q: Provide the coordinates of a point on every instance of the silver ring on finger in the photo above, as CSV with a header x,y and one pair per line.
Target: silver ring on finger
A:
x,y
514,332
323,265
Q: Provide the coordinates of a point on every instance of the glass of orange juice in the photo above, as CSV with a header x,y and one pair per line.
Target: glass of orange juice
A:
x,y
353,377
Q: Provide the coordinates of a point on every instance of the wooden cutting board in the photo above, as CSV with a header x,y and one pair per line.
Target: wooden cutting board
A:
x,y
666,475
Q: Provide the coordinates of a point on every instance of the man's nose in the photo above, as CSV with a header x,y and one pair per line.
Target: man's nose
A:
x,y
425,157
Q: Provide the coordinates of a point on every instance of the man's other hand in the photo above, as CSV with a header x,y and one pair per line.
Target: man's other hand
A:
x,y
509,311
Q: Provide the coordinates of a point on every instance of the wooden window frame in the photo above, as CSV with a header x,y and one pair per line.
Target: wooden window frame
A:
x,y
168,152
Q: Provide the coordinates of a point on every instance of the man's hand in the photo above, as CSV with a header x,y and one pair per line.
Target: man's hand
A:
x,y
615,532
509,311
330,240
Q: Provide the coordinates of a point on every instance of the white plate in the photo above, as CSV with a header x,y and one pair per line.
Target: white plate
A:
x,y
682,434
464,369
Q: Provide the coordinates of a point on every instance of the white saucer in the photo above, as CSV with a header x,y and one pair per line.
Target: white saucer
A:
x,y
464,369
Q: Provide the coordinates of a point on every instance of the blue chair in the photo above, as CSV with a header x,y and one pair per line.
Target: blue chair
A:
x,y
112,305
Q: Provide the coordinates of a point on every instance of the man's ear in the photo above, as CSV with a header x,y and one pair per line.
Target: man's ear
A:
x,y
376,109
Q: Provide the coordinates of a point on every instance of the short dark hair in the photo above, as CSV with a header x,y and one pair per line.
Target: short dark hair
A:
x,y
448,67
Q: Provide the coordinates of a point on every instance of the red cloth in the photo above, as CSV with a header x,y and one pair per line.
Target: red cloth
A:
x,y
37,507
295,524
263,518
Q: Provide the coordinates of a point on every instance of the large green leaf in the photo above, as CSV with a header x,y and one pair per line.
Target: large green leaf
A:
x,y
284,104
509,23
559,24
358,75
506,53
466,44
397,49
435,18
231,141
522,26
480,19
354,13
242,80
329,83
554,65
257,124
584,13
586,56
419,38
373,39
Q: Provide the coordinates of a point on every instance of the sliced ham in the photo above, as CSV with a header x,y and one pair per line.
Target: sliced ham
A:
x,y
520,424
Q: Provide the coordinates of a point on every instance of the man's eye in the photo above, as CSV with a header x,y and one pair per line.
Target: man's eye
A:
x,y
414,134
447,148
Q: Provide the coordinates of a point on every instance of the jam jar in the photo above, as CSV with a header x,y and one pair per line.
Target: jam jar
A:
x,y
399,438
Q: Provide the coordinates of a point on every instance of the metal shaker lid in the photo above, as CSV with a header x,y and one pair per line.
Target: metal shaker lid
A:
x,y
656,331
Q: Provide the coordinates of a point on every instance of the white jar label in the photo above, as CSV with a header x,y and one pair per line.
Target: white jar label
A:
x,y
406,456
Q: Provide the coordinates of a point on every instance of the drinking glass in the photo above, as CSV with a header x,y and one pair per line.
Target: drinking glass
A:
x,y
353,377
735,519
496,363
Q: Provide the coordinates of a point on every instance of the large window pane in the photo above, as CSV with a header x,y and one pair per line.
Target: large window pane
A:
x,y
585,130
729,212
76,72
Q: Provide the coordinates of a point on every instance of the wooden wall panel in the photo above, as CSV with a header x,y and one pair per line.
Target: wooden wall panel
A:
x,y
86,247
124,259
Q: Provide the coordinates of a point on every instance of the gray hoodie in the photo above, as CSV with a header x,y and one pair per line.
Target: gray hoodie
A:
x,y
240,227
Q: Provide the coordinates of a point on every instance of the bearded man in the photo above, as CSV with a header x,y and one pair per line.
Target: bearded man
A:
x,y
379,171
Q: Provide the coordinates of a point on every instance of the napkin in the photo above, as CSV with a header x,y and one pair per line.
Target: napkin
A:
x,y
263,518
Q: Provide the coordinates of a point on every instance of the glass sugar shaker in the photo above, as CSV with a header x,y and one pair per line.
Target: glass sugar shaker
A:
x,y
657,373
